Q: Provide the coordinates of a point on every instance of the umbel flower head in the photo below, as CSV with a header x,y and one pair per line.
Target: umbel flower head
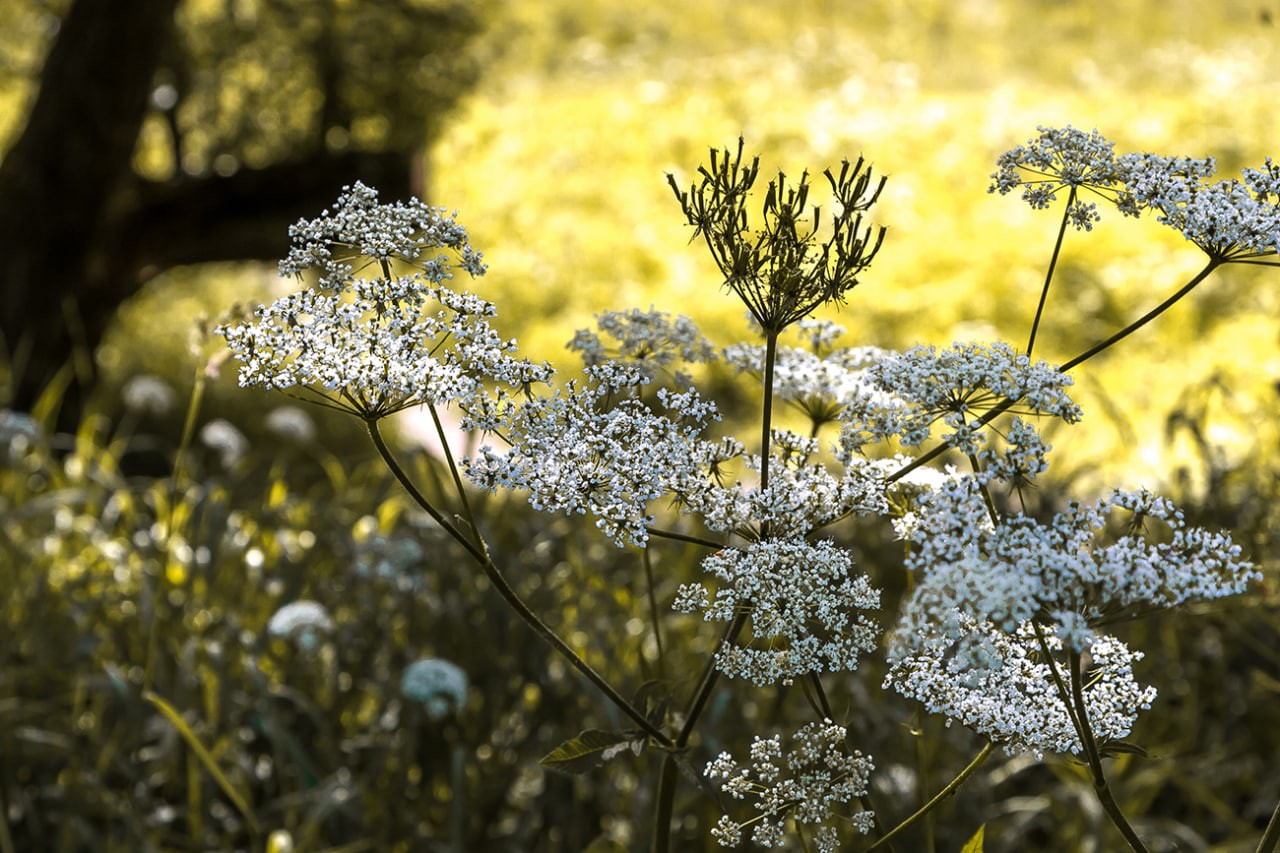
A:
x,y
999,684
375,346
439,685
806,783
782,269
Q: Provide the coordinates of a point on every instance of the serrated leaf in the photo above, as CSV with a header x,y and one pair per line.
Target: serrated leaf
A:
x,y
974,844
589,750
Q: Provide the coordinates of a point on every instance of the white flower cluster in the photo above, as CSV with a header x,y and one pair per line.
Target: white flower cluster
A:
x,y
303,621
376,346
440,685
359,229
652,340
819,385
1063,158
1229,220
596,448
803,598
805,783
1066,571
999,684
955,386
800,496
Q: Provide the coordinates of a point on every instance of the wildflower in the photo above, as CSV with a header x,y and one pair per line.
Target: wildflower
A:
x,y
805,784
803,599
955,386
818,385
291,423
800,496
359,229
998,684
596,448
222,436
782,271
1229,220
377,346
1022,568
1064,158
652,340
301,621
148,394
439,685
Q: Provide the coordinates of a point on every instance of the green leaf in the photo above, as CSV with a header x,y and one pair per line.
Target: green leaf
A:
x,y
175,717
1122,747
974,845
590,749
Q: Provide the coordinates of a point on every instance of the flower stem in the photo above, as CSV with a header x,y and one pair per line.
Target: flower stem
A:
x,y
950,788
1271,836
710,675
499,581
1053,263
1145,318
1100,787
646,557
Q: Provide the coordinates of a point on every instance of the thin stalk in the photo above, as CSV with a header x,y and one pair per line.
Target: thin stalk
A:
x,y
1048,278
666,798
1146,318
500,583
950,788
684,537
1271,836
1100,787
766,419
457,480
710,675
653,610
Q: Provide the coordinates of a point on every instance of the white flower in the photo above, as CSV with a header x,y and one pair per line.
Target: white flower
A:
x,y
652,340
1066,569
596,448
1063,158
998,684
148,394
223,437
292,423
804,782
1229,220
302,621
803,599
376,346
439,685
954,386
360,230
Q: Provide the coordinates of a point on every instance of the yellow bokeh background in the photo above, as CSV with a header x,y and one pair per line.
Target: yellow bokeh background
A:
x,y
557,163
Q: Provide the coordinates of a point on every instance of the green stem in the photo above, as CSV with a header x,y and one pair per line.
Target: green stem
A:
x,y
457,480
1271,836
684,537
950,788
1053,263
710,675
1145,318
499,581
666,795
653,610
1100,787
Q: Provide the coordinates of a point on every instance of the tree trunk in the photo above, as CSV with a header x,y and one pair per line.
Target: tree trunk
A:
x,y
58,179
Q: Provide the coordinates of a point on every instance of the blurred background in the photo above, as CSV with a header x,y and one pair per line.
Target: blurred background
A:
x,y
156,153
